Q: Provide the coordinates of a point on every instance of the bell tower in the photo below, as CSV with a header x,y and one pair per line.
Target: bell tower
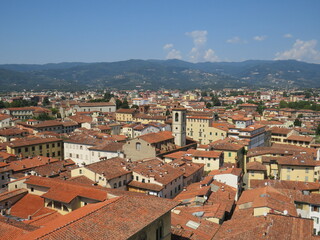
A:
x,y
179,123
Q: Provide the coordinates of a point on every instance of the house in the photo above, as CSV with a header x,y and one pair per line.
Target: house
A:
x,y
26,112
271,226
59,195
154,177
5,120
113,219
110,173
125,115
149,145
232,177
255,171
261,201
212,160
48,147
204,130
9,134
233,151
95,106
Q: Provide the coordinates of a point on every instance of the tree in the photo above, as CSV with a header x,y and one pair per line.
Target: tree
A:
x,y
208,105
215,101
318,129
204,94
46,101
54,111
118,103
107,96
125,104
167,112
43,117
135,106
297,123
283,104
261,108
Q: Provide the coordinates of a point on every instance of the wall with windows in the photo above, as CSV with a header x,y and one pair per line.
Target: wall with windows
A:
x,y
297,173
135,152
50,149
200,129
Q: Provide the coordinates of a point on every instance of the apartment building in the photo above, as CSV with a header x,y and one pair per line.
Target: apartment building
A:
x,y
48,147
204,130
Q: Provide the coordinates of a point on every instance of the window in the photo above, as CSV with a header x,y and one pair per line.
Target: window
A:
x,y
138,146
33,148
32,189
40,147
307,170
26,149
229,154
80,147
64,208
137,178
119,184
315,220
80,171
53,154
47,145
53,145
70,154
208,164
176,117
115,185
143,180
315,209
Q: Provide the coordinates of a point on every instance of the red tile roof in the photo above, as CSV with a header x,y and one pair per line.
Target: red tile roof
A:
x,y
113,219
256,166
30,205
65,191
110,168
157,137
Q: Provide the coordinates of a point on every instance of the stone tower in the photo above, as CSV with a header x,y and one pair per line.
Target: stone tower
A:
x,y
179,123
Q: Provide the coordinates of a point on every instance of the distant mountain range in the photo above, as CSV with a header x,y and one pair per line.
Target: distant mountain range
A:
x,y
155,74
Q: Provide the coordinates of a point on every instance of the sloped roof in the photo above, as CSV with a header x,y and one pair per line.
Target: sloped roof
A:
x,y
113,219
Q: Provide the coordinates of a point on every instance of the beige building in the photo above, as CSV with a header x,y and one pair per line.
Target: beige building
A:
x,y
59,195
110,173
48,147
125,115
149,145
204,130
255,171
212,160
154,177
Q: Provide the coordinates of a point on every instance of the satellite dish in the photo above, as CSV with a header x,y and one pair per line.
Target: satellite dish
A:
x,y
285,212
265,214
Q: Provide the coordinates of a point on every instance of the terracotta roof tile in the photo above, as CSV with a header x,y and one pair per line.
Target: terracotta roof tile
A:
x,y
113,219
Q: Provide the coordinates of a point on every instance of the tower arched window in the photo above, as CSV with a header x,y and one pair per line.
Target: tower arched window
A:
x,y
138,146
176,117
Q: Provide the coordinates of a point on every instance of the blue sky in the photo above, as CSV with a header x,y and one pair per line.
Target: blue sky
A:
x,y
46,31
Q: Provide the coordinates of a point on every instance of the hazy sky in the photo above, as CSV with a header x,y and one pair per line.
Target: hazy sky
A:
x,y
46,31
